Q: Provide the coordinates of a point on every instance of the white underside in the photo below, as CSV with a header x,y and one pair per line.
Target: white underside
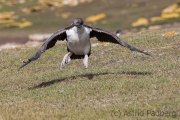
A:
x,y
78,40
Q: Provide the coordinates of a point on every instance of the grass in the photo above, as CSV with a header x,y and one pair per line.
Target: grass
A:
x,y
119,84
120,15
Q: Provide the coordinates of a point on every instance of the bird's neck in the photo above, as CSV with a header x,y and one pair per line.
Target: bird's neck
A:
x,y
79,29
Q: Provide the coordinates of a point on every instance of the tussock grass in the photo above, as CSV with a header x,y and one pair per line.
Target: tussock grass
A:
x,y
117,81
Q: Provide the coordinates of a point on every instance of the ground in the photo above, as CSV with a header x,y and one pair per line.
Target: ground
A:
x,y
119,84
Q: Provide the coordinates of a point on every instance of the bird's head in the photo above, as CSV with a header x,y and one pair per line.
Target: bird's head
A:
x,y
78,22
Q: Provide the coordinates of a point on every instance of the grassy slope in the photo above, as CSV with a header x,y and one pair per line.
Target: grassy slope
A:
x,y
117,81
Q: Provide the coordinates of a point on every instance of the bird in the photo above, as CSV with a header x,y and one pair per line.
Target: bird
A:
x,y
77,37
118,32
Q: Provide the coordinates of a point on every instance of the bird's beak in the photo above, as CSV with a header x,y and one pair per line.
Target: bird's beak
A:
x,y
78,25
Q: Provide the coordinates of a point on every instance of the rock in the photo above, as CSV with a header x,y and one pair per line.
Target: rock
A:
x,y
37,43
33,43
134,30
155,27
9,46
105,43
39,37
176,24
95,44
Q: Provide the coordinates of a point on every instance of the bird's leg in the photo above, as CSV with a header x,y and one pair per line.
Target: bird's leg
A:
x,y
68,59
85,61
65,60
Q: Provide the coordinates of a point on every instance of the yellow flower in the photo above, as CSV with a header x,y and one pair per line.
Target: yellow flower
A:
x,y
24,24
6,21
95,18
17,24
177,10
65,15
7,15
169,33
170,15
32,9
170,9
139,22
154,19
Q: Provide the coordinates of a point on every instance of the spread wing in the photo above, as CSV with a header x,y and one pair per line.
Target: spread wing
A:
x,y
49,43
104,36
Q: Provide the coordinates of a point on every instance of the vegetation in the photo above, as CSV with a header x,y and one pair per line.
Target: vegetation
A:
x,y
117,81
119,84
119,15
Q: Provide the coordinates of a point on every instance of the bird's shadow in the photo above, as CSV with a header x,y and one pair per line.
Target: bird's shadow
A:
x,y
88,75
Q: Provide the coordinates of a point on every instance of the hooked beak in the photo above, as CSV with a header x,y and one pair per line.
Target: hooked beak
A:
x,y
78,25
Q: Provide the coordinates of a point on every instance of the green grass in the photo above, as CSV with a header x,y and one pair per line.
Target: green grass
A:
x,y
117,81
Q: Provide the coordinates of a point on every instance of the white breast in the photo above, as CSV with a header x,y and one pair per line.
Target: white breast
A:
x,y
78,40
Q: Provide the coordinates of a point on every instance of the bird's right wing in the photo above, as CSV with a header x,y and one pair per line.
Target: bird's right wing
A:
x,y
104,36
49,43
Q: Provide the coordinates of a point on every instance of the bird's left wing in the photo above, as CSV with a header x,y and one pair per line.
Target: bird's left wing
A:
x,y
104,36
49,43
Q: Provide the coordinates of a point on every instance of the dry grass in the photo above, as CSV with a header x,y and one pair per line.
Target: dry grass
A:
x,y
117,81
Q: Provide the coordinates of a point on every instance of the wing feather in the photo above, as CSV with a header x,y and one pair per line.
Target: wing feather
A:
x,y
49,43
104,36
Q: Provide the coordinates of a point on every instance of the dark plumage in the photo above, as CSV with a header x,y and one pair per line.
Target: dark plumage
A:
x,y
77,36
